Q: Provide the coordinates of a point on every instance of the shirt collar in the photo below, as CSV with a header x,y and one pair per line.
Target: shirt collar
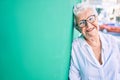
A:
x,y
103,41
83,41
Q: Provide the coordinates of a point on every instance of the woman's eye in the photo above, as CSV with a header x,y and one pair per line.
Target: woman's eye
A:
x,y
82,22
92,18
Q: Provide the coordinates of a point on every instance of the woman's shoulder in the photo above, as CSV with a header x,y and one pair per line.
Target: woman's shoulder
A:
x,y
78,40
109,38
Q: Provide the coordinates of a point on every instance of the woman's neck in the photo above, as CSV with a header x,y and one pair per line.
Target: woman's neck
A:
x,y
94,41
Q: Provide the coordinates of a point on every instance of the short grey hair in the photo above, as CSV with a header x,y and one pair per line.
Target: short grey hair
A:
x,y
80,7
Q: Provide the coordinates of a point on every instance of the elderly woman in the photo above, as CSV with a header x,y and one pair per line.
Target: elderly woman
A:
x,y
94,55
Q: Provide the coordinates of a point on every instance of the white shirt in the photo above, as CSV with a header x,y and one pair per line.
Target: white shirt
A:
x,y
84,65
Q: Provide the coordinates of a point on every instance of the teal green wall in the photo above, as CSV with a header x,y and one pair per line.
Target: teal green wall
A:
x,y
35,39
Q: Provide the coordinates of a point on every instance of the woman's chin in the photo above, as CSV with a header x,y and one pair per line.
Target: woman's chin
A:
x,y
92,33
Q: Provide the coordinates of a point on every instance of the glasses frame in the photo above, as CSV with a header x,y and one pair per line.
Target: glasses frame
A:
x,y
86,20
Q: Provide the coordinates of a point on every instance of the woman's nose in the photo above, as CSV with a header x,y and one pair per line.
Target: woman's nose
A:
x,y
88,24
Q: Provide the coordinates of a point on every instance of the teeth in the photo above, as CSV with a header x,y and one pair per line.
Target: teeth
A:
x,y
90,29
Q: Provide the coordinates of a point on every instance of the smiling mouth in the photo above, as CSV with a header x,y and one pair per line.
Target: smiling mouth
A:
x,y
90,29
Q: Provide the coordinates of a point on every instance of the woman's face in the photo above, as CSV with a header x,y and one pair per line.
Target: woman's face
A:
x,y
87,23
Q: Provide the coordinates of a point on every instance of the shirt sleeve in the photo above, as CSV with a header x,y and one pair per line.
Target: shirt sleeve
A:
x,y
118,56
74,72
118,43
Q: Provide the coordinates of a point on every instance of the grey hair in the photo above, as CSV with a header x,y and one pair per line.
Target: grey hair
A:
x,y
80,7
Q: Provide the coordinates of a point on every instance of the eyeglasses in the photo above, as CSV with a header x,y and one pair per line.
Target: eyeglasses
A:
x,y
90,19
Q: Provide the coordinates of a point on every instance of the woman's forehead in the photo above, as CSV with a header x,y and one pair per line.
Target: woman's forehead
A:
x,y
85,14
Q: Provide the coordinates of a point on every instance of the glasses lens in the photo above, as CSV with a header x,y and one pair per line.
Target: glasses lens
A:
x,y
91,18
82,23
